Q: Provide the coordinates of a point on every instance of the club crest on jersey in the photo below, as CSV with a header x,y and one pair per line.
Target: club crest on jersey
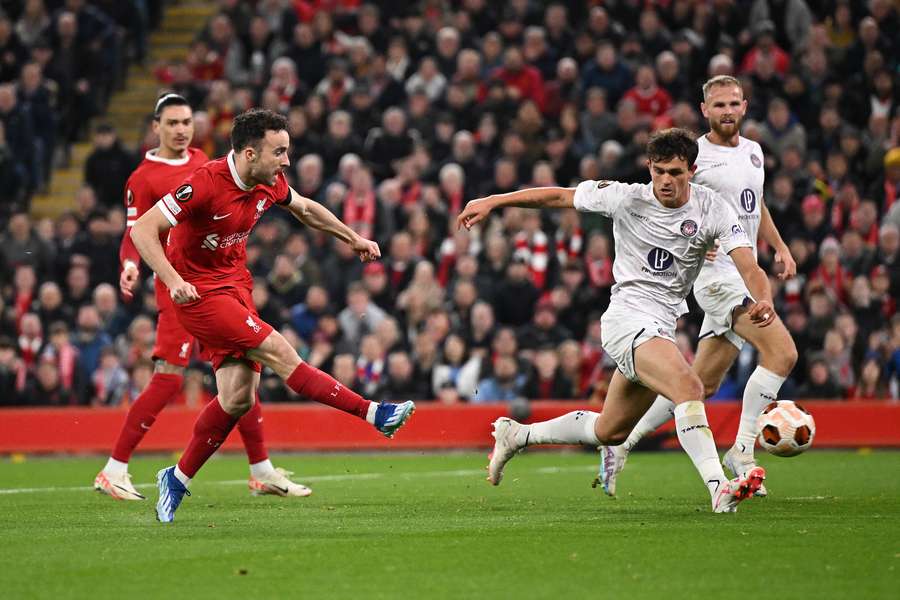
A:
x,y
253,324
659,259
261,205
755,160
689,228
748,200
737,230
184,193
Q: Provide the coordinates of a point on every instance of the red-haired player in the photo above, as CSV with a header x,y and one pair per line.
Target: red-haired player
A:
x,y
173,161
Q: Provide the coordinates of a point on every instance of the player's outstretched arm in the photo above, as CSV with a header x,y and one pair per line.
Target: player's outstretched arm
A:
x,y
145,234
312,214
783,255
541,197
763,311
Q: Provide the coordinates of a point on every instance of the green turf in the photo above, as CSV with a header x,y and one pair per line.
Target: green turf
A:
x,y
429,526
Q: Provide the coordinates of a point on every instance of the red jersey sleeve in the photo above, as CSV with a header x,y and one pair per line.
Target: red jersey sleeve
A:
x,y
188,199
137,200
282,191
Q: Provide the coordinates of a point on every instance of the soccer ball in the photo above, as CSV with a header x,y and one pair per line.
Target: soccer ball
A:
x,y
785,428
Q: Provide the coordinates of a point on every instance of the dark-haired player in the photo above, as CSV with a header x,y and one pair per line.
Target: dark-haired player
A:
x,y
209,218
173,161
732,166
662,232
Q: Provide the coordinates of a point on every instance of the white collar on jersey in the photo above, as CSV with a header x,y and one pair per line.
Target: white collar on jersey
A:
x,y
234,174
151,155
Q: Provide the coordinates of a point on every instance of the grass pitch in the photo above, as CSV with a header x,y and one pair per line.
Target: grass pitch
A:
x,y
429,526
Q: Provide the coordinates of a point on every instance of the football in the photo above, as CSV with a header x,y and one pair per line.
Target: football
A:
x,y
785,428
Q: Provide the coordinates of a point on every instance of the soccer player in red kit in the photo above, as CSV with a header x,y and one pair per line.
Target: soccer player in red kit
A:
x,y
204,268
172,162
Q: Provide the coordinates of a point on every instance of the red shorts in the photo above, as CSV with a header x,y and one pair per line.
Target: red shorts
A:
x,y
226,324
173,342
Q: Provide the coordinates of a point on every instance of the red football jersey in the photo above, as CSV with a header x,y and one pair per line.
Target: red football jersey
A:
x,y
212,214
149,182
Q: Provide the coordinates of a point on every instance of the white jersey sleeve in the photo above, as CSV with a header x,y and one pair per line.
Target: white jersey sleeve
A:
x,y
602,197
727,228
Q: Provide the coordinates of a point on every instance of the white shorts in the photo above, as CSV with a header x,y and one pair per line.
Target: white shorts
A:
x,y
718,301
624,330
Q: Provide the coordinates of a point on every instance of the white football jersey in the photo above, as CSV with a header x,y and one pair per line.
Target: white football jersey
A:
x,y
659,250
737,174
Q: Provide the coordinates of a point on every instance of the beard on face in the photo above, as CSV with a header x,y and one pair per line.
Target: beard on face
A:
x,y
729,129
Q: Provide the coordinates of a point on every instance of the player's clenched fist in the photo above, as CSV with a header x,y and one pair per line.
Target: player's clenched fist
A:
x,y
762,314
127,280
183,292
474,212
367,250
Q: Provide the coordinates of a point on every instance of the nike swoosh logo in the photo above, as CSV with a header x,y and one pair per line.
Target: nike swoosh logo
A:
x,y
147,427
280,489
218,217
141,496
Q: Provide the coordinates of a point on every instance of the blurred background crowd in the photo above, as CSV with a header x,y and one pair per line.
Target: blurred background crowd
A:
x,y
401,112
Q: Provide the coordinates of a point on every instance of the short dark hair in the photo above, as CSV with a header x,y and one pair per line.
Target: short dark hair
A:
x,y
250,127
673,143
168,99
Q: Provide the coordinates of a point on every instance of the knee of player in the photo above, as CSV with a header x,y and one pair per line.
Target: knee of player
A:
x,y
780,358
237,404
691,388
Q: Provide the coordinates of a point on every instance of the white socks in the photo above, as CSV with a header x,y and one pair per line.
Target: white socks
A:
x,y
761,389
115,467
571,428
696,438
261,469
657,415
180,476
370,414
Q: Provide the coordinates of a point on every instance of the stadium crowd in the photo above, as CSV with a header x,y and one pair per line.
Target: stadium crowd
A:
x,y
400,113
60,60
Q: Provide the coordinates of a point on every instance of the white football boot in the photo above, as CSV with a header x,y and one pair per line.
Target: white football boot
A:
x,y
505,447
277,483
117,486
612,461
739,463
731,493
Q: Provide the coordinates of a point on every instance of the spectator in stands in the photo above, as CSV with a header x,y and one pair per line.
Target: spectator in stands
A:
x,y
99,249
370,365
543,330
505,385
546,381
20,245
108,166
360,317
401,381
12,373
50,306
820,383
110,380
89,339
45,388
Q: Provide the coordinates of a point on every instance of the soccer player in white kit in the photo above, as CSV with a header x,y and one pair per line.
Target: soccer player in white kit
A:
x,y
732,166
662,233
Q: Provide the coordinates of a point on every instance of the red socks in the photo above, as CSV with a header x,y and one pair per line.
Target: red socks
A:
x,y
142,414
313,384
250,427
210,430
